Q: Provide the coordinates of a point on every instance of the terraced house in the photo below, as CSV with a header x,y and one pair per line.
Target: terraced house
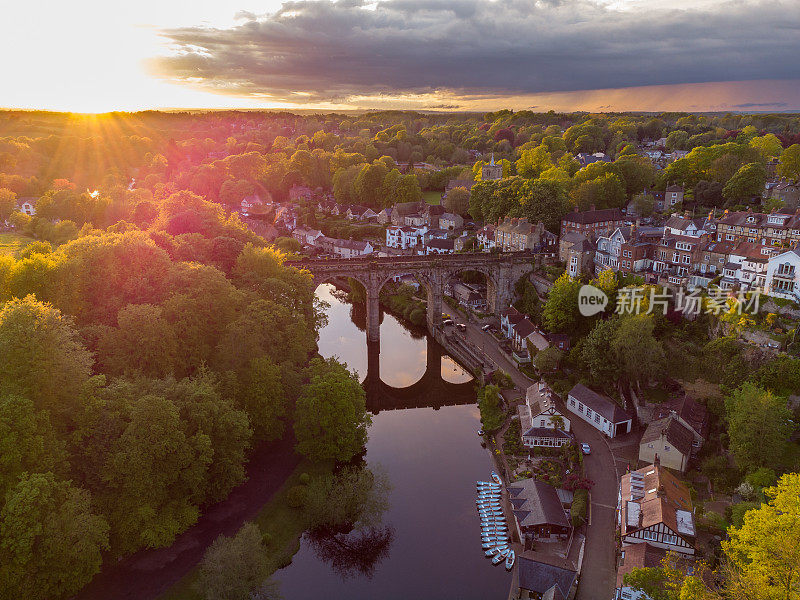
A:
x,y
517,234
780,228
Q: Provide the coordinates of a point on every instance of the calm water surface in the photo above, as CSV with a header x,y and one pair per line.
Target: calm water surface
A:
x,y
432,459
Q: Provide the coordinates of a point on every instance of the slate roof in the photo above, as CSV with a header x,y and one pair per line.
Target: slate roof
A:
x,y
350,244
540,577
678,436
692,412
524,328
441,244
547,432
608,409
542,505
573,237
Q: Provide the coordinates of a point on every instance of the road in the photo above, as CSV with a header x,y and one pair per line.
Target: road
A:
x,y
598,574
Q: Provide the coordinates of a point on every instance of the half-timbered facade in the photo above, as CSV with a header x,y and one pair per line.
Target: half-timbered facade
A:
x,y
655,507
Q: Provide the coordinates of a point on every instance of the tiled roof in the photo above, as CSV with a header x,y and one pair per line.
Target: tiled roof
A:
x,y
663,498
541,577
678,436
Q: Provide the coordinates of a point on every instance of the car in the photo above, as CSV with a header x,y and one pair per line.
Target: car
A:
x,y
447,322
486,327
461,326
585,448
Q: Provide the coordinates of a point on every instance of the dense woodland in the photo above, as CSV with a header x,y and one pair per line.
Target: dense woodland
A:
x,y
149,339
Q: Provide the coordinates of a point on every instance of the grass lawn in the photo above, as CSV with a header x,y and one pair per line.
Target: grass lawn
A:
x,y
10,242
284,525
432,197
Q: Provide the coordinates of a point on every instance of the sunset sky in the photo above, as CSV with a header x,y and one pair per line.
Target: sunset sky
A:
x,y
92,55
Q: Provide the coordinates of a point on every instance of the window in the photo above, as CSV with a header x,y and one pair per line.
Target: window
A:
x,y
687,259
666,448
588,412
572,401
670,539
596,418
541,422
729,237
626,594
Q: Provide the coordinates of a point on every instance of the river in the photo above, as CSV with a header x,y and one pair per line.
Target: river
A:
x,y
432,458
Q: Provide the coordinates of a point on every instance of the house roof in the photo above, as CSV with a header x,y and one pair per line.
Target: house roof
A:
x,y
693,413
594,216
639,556
446,216
611,411
573,237
653,495
351,244
540,577
524,328
542,505
441,244
677,434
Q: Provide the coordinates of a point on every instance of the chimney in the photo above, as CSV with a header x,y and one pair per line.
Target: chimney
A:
x,y
656,461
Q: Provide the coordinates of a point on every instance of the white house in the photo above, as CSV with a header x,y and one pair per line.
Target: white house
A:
x,y
783,275
27,205
403,237
541,424
307,237
600,412
351,248
485,238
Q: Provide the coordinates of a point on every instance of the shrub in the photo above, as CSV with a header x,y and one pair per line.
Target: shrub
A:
x,y
305,478
580,502
296,496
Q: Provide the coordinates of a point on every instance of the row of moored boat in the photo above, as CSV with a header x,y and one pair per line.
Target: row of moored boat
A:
x,y
494,530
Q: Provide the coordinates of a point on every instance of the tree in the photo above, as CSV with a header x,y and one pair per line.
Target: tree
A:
x,y
769,146
28,442
330,416
233,568
547,360
534,161
288,245
492,415
636,172
758,426
8,202
639,354
746,183
644,204
143,343
50,540
763,554
263,398
597,354
606,191
368,184
457,201
789,166
41,355
353,498
677,140
561,308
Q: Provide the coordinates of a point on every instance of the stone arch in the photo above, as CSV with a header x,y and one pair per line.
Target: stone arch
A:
x,y
494,294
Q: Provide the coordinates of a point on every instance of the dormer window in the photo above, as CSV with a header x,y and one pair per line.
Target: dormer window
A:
x,y
751,219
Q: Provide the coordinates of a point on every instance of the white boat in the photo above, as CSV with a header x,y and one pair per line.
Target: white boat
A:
x,y
490,552
510,560
498,558
496,477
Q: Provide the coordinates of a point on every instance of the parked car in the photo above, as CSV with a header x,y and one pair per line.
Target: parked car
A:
x,y
461,326
585,448
447,322
486,327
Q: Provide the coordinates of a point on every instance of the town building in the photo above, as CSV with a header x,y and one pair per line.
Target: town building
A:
x,y
636,556
780,228
654,506
439,246
385,216
538,513
401,210
517,234
541,423
540,580
404,237
360,213
783,275
450,221
592,223
347,248
599,411
627,249
485,237
577,253
689,413
585,159
307,237
491,171
508,318
668,439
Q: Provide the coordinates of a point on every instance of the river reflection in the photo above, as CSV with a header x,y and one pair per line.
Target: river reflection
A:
x,y
431,457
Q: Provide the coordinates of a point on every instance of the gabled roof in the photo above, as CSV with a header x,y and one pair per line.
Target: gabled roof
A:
x,y
547,432
693,413
541,577
611,411
661,498
524,328
542,505
678,436
441,244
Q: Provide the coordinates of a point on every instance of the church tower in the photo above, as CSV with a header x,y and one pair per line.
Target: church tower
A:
x,y
491,171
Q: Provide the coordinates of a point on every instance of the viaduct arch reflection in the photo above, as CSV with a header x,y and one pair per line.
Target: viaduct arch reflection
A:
x,y
430,391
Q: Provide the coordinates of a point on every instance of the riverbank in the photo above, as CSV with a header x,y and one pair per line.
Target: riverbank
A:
x,y
281,527
148,574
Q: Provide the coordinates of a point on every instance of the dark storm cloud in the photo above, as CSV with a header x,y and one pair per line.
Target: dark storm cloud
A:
x,y
315,50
